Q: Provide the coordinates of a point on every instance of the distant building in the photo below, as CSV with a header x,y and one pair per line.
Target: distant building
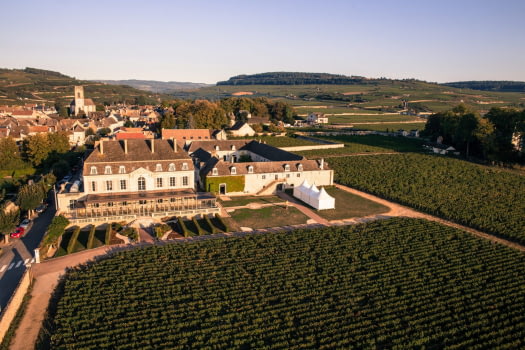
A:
x,y
81,104
317,118
241,129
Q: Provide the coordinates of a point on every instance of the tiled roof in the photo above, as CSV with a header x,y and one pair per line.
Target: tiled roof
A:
x,y
186,134
130,135
224,168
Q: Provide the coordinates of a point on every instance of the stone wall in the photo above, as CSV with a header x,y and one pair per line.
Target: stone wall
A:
x,y
312,147
9,312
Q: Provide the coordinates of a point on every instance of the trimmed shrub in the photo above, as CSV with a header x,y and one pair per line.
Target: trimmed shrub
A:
x,y
214,229
73,241
183,227
200,231
223,223
108,235
91,239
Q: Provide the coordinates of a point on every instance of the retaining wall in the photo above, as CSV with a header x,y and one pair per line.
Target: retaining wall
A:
x,y
9,312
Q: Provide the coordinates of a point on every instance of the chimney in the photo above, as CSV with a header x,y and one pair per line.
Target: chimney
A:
x,y
174,141
125,146
152,145
101,146
321,164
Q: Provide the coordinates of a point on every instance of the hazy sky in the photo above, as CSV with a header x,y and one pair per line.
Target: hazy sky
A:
x,y
208,41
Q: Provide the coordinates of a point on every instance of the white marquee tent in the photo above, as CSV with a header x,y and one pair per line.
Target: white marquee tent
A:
x,y
311,195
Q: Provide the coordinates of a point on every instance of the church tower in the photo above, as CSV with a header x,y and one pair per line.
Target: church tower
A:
x,y
79,99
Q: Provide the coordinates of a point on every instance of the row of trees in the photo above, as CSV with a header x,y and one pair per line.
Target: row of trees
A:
x,y
215,115
489,137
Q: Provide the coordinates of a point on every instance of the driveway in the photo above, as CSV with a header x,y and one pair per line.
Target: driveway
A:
x,y
20,252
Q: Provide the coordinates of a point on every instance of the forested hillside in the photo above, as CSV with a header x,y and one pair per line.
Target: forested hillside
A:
x,y
490,85
292,78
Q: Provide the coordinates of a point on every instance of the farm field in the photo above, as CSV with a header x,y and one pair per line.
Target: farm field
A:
x,y
283,141
365,144
481,197
391,126
371,118
398,283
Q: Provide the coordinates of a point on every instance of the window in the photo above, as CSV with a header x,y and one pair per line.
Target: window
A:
x,y
276,176
142,202
250,169
225,158
122,169
107,170
93,170
233,170
184,166
300,167
217,148
159,182
233,148
215,171
123,184
287,167
158,167
142,184
72,203
109,185
93,186
171,167
184,181
298,174
173,200
159,200
110,204
124,203
173,181
264,177
287,176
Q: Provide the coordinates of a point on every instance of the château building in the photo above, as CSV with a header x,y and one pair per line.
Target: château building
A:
x,y
126,179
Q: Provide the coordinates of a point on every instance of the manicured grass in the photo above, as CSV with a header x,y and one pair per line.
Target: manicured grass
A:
x,y
268,217
240,201
348,205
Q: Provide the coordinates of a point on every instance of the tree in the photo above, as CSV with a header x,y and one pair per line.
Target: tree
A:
x,y
104,132
468,123
37,148
167,121
8,221
10,158
128,124
90,132
62,110
31,196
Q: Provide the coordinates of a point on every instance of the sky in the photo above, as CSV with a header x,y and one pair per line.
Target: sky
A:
x,y
210,41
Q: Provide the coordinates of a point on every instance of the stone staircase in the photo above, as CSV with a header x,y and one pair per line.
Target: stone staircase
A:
x,y
268,189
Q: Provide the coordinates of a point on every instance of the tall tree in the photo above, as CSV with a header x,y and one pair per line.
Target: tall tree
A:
x,y
37,148
10,157
31,196
8,221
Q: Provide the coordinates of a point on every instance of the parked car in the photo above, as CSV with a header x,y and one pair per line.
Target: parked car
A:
x,y
26,224
41,208
19,232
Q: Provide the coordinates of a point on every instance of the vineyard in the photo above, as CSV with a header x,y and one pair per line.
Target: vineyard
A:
x,y
399,283
488,199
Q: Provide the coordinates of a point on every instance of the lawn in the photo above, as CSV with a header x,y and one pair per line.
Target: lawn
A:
x,y
241,201
348,205
391,126
269,217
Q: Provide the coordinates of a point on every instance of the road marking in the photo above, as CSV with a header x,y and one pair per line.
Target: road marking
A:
x,y
25,262
19,263
3,268
11,266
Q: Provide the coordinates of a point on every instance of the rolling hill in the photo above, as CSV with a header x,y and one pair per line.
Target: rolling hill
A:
x,y
156,86
32,85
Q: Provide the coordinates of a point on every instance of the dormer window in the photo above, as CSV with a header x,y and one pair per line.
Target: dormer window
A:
x,y
122,169
250,169
233,170
233,147
184,166
300,167
217,148
287,167
107,170
158,167
93,170
172,167
215,171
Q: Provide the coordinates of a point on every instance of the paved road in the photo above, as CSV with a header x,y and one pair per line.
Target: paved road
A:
x,y
20,252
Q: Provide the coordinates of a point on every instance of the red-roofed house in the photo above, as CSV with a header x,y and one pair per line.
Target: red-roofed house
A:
x,y
187,135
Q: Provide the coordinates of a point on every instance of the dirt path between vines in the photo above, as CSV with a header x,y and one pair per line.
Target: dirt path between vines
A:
x,y
400,210
48,273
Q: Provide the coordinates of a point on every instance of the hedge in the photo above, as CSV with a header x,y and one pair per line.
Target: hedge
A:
x,y
183,227
108,234
91,239
214,229
223,223
73,240
200,231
